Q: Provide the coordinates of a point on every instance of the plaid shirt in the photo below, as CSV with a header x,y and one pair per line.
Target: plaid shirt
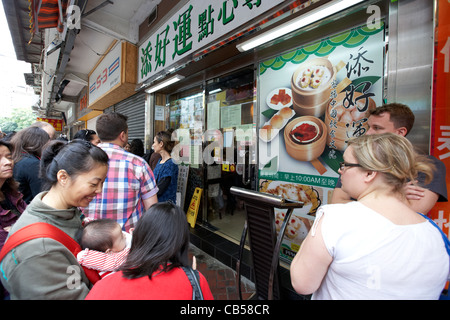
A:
x,y
128,182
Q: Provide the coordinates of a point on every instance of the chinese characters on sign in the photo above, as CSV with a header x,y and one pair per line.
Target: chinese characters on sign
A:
x,y
194,26
355,99
56,123
440,131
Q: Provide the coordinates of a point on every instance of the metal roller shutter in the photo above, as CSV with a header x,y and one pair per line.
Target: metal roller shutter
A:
x,y
134,108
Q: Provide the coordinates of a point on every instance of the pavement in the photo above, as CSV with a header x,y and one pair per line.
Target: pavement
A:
x,y
222,279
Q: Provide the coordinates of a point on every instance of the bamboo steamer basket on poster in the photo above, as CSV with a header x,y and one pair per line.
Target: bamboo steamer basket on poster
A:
x,y
311,86
313,143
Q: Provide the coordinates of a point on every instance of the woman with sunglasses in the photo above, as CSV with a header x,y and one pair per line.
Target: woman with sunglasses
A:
x,y
88,135
375,247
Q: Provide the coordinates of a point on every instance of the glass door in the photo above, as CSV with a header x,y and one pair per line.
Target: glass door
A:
x,y
186,124
229,153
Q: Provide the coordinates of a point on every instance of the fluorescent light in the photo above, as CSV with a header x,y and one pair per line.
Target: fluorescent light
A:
x,y
297,23
165,83
215,91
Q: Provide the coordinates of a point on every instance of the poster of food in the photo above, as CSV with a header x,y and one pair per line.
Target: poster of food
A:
x,y
312,101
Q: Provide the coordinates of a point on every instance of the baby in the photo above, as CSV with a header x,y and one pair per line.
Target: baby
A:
x,y
105,246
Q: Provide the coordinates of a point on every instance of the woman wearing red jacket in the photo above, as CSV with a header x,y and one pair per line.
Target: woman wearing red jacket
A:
x,y
153,270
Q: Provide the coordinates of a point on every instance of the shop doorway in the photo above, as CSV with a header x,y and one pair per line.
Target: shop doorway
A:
x,y
215,123
230,123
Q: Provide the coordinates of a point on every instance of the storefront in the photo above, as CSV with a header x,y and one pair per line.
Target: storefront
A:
x,y
238,115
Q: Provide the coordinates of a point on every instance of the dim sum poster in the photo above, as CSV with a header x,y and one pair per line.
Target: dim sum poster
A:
x,y
312,101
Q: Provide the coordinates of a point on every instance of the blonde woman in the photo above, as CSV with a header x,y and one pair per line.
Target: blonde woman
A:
x,y
375,247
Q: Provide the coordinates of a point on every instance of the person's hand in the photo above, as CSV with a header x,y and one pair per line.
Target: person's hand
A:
x,y
194,263
413,192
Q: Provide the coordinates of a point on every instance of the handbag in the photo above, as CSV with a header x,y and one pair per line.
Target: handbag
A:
x,y
444,294
194,279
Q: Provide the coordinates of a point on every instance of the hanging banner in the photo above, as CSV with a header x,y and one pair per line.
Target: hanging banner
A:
x,y
313,100
440,130
56,123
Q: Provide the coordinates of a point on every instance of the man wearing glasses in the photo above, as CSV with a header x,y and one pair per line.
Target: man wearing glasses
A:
x,y
399,119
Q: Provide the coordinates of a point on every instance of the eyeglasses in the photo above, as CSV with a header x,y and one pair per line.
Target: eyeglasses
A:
x,y
343,164
89,132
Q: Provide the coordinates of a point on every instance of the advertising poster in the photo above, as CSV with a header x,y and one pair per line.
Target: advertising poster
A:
x,y
313,100
440,131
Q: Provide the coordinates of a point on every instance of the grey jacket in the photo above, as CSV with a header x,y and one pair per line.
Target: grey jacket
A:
x,y
43,268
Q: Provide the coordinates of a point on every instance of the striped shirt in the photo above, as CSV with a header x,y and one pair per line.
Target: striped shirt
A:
x,y
129,181
103,262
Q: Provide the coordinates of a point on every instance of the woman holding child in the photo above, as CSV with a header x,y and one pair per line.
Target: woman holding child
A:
x,y
43,268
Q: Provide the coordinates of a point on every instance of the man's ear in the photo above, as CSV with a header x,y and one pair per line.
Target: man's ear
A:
x,y
123,137
401,131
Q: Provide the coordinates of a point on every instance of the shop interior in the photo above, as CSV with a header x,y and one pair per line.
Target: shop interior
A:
x,y
221,121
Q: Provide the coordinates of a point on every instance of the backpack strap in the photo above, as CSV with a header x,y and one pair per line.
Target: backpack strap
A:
x,y
444,237
194,279
46,230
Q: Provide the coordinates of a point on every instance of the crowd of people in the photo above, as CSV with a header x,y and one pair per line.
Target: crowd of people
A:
x,y
97,193
373,241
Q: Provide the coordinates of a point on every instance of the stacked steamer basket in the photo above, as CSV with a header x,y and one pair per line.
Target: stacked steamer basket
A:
x,y
311,86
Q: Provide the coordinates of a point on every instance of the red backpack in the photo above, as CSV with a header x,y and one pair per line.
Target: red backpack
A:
x,y
45,230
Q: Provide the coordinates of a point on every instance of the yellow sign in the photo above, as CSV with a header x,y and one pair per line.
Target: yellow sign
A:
x,y
192,212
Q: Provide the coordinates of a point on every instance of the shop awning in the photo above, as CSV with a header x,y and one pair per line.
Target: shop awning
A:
x,y
47,14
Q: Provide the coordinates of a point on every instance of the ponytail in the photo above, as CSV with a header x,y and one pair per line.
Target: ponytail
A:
x,y
75,157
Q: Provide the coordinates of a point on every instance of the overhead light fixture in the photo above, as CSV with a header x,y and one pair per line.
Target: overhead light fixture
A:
x,y
297,23
165,83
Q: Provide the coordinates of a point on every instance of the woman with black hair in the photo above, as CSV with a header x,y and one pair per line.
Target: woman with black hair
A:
x,y
154,266
166,171
88,135
137,147
43,268
28,144
11,200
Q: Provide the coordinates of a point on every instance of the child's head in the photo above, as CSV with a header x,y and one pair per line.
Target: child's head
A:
x,y
103,235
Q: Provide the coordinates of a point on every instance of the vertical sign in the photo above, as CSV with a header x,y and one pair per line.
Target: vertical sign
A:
x,y
440,131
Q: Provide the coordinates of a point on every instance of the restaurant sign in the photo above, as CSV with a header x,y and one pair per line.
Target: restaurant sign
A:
x,y
194,26
106,75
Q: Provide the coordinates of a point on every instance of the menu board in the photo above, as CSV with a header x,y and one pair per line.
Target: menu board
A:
x,y
313,100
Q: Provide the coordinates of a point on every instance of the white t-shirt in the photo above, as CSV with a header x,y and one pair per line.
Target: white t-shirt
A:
x,y
374,258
